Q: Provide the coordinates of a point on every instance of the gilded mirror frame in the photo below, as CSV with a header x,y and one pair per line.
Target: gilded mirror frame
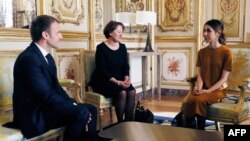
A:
x,y
18,34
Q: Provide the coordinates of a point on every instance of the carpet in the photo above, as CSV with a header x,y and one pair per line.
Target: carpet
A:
x,y
165,118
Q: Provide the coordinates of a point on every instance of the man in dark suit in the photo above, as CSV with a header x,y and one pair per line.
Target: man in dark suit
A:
x,y
39,102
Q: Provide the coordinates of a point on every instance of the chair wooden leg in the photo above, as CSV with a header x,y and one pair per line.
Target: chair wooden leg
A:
x,y
217,125
110,113
100,118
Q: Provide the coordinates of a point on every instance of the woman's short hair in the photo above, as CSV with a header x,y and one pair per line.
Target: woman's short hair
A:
x,y
110,27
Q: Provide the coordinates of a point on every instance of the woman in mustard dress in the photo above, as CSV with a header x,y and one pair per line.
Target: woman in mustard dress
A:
x,y
214,63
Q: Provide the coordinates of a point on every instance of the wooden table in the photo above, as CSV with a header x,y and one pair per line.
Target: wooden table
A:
x,y
144,56
138,131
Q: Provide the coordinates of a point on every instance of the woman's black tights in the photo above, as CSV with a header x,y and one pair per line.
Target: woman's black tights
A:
x,y
124,105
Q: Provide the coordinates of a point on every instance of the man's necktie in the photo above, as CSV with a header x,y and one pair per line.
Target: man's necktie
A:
x,y
51,62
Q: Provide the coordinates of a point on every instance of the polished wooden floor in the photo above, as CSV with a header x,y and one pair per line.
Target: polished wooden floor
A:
x,y
170,102
167,103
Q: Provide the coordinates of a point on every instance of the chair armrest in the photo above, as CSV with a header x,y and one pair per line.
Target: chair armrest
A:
x,y
245,84
70,83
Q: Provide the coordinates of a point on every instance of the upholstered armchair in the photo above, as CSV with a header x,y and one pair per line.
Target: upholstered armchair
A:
x,y
227,111
7,61
91,97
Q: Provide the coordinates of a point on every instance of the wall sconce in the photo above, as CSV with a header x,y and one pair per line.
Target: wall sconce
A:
x,y
127,18
146,18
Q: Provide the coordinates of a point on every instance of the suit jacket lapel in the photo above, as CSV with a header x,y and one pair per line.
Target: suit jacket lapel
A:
x,y
52,70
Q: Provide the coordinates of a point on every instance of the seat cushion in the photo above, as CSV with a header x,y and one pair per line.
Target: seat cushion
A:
x,y
224,110
11,134
8,134
50,135
98,100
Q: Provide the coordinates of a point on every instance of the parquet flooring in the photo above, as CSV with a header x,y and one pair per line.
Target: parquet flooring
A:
x,y
168,103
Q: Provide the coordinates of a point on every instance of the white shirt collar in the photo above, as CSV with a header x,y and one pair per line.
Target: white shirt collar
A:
x,y
43,51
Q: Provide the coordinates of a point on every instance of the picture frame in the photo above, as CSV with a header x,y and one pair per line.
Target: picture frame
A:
x,y
231,13
69,62
172,19
176,65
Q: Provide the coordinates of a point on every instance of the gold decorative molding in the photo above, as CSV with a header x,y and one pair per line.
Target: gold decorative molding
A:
x,y
91,15
75,36
68,11
240,45
159,39
14,34
175,15
69,49
99,15
133,5
232,14
125,38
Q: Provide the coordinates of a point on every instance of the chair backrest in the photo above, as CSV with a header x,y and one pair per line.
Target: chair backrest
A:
x,y
7,62
89,66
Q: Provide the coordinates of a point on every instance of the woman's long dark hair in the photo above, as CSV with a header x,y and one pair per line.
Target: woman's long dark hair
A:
x,y
218,26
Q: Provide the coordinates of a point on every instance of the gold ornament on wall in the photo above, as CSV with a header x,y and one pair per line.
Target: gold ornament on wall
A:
x,y
68,11
135,5
238,74
231,13
99,16
175,15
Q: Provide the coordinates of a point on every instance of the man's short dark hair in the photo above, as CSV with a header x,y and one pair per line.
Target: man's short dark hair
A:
x,y
110,27
40,24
